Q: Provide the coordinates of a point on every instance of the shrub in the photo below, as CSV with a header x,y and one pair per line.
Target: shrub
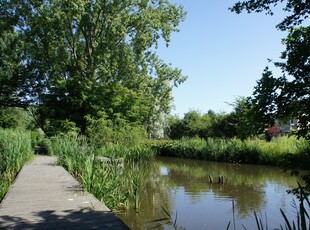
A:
x,y
103,131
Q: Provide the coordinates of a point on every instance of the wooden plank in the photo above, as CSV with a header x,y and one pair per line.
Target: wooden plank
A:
x,y
46,196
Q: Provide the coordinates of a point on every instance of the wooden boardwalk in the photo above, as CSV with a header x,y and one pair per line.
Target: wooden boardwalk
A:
x,y
46,196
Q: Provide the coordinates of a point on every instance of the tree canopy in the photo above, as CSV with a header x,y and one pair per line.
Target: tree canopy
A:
x,y
78,57
285,96
297,11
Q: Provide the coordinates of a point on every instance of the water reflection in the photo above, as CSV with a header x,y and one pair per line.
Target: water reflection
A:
x,y
183,187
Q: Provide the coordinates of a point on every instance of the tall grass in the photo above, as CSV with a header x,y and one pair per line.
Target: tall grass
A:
x,y
253,151
15,150
135,179
101,170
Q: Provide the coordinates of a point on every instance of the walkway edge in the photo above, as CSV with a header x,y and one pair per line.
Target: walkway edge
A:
x,y
45,196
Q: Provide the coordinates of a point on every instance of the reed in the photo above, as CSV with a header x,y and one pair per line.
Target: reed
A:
x,y
101,169
254,151
15,150
135,179
167,220
138,152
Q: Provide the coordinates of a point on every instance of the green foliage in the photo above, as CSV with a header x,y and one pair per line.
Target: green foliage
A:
x,y
80,160
242,118
234,150
16,118
10,80
212,125
293,98
303,218
287,96
297,11
15,150
100,170
133,153
103,131
81,57
58,127
135,180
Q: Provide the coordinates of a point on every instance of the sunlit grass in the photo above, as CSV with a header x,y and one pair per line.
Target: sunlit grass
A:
x,y
253,151
101,170
15,150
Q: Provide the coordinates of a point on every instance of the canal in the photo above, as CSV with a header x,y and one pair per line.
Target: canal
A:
x,y
182,188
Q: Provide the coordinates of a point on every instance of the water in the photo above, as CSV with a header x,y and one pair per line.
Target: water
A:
x,y
182,187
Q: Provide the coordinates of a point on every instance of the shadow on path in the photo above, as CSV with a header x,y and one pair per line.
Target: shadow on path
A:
x,y
69,219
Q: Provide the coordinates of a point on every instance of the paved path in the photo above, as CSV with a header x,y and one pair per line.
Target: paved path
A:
x,y
46,196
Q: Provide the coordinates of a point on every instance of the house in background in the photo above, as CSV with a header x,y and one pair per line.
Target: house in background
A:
x,y
287,126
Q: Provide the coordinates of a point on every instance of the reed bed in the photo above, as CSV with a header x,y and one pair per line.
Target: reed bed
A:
x,y
15,150
253,151
101,171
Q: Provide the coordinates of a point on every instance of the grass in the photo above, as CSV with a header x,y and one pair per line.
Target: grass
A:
x,y
101,170
15,150
253,151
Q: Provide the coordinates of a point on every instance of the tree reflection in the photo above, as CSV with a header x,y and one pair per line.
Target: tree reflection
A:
x,y
245,184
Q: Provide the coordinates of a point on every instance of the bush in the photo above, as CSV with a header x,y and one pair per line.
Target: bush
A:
x,y
103,131
13,118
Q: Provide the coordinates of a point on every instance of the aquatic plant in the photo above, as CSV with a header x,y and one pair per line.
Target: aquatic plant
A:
x,y
254,151
15,150
167,220
101,170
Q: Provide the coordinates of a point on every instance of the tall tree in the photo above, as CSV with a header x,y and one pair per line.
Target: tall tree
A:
x,y
286,96
9,62
85,56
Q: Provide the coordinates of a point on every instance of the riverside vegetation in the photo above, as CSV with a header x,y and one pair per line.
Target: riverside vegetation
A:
x,y
102,79
100,166
120,188
253,151
107,179
121,144
15,150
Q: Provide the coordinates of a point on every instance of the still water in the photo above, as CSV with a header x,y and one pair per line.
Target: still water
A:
x,y
182,187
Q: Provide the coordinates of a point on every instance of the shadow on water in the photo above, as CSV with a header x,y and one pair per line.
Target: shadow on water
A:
x,y
69,219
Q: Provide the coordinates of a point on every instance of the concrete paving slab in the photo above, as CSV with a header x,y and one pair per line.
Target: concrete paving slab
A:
x,y
46,196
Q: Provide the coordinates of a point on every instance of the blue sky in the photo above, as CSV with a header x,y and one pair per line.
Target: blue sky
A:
x,y
222,53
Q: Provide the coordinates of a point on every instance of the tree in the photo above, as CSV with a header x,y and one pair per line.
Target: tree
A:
x,y
176,128
81,56
16,118
9,62
241,118
294,95
298,10
286,96
208,125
